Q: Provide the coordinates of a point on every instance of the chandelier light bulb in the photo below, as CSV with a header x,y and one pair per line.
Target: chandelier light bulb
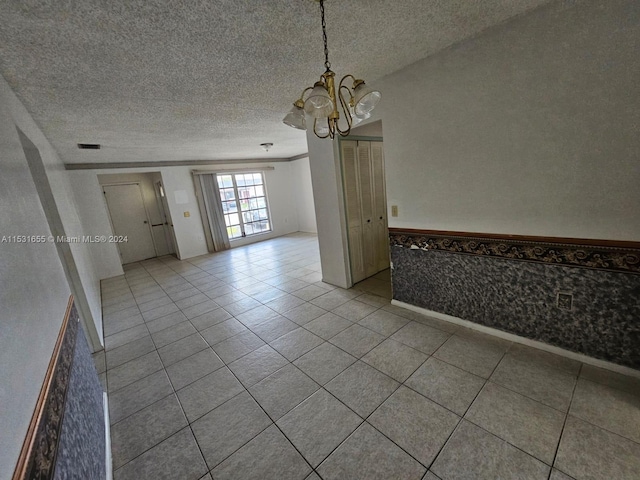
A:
x,y
321,127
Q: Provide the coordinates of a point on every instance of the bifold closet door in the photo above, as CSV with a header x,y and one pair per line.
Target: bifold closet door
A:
x,y
365,203
351,187
381,229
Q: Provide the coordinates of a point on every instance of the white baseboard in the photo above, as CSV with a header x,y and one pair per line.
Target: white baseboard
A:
x,y
525,341
107,437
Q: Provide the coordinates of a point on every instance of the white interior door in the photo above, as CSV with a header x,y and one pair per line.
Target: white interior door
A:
x,y
129,219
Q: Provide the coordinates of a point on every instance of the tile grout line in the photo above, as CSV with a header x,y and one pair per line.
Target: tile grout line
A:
x,y
174,393
486,381
566,417
267,343
273,422
462,417
566,414
360,359
327,341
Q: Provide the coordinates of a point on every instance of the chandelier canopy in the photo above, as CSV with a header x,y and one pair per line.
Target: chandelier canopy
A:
x,y
320,101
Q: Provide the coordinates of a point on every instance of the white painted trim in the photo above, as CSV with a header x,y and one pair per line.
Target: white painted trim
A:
x,y
232,170
524,341
173,163
107,437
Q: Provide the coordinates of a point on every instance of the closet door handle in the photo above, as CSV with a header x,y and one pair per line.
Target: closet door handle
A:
x,y
380,218
369,220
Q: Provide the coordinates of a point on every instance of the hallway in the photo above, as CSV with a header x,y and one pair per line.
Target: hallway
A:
x,y
244,365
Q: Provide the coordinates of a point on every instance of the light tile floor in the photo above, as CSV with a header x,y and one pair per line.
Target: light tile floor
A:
x,y
243,365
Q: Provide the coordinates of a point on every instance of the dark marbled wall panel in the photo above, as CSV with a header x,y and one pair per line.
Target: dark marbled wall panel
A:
x,y
81,449
521,298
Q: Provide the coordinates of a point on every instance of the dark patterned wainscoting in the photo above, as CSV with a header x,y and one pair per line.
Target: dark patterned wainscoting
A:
x,y
66,438
582,296
81,450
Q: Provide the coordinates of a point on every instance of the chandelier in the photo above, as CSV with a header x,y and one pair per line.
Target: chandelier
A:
x,y
356,100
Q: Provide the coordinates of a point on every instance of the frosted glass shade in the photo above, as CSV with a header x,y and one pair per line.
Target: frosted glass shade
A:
x,y
318,103
365,99
295,118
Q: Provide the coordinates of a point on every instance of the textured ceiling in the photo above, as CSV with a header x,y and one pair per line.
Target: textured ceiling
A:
x,y
182,80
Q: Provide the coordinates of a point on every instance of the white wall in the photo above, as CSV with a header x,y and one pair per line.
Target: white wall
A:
x,y
33,294
329,206
188,230
93,213
530,128
369,129
303,195
85,280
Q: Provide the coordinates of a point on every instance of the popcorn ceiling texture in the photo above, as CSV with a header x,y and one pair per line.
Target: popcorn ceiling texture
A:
x,y
183,80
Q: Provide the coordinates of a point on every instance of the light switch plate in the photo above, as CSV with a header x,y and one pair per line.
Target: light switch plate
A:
x,y
187,214
394,210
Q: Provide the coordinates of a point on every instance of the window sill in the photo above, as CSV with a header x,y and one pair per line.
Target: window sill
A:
x,y
231,240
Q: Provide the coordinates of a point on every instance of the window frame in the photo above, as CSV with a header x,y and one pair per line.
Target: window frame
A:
x,y
237,199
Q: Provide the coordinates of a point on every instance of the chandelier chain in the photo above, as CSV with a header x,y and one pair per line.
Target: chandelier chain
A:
x,y
328,100
327,64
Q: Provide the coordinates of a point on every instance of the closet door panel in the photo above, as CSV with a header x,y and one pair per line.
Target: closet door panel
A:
x,y
381,231
367,208
351,187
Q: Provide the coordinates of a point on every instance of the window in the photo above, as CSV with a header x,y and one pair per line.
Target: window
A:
x,y
244,204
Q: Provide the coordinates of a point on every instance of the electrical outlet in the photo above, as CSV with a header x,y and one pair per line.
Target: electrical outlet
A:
x,y
187,214
565,300
394,210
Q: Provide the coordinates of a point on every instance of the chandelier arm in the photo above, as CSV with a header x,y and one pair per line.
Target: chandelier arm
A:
x,y
305,91
348,75
350,96
345,109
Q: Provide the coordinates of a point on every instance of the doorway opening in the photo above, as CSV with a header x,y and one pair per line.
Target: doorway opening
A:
x,y
363,180
139,215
